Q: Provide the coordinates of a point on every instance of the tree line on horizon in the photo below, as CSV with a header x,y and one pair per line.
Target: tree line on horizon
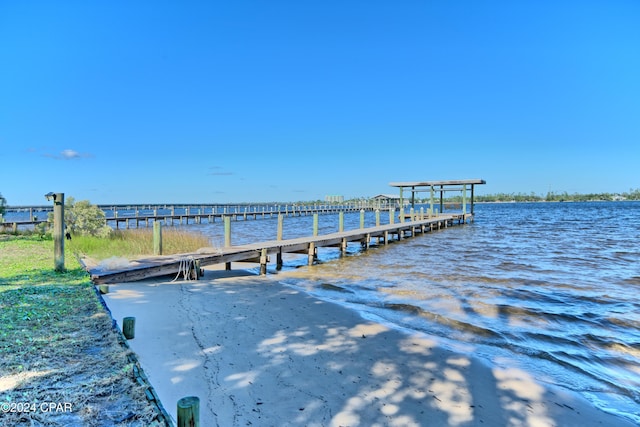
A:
x,y
633,194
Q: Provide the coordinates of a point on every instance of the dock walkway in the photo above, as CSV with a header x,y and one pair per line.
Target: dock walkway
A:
x,y
189,264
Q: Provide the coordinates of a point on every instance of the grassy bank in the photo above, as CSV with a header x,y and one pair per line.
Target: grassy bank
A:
x,y
57,346
135,243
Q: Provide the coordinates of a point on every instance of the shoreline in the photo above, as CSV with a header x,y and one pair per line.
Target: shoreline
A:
x,y
257,351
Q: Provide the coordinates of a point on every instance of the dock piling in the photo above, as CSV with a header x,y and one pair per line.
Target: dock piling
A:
x,y
280,226
129,327
189,412
157,238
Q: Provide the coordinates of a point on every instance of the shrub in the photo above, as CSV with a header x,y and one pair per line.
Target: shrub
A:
x,y
80,218
83,218
3,204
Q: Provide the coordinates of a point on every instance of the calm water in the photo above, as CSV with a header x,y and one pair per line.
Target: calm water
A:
x,y
552,286
555,287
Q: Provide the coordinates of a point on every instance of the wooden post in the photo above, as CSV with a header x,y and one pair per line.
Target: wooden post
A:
x,y
315,224
392,213
189,412
312,253
227,238
431,195
129,327
377,217
197,270
361,218
227,231
340,221
464,200
263,261
401,213
279,259
58,231
280,223
472,201
411,214
157,238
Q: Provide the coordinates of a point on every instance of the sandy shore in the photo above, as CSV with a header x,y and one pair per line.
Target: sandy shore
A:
x,y
259,353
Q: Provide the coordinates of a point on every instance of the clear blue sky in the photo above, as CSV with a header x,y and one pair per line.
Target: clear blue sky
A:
x,y
212,101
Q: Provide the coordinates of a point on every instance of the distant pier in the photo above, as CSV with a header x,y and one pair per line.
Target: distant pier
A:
x,y
128,216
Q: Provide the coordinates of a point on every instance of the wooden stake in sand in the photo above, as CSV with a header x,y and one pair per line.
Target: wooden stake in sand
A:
x,y
129,327
189,412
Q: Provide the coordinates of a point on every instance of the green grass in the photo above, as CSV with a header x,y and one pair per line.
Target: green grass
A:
x,y
28,260
57,345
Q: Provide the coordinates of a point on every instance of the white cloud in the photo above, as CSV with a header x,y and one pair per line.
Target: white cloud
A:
x,y
67,154
70,154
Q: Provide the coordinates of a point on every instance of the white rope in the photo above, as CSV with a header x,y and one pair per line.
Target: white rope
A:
x,y
186,267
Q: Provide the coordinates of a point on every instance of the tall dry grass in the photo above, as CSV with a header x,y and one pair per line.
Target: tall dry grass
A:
x,y
137,242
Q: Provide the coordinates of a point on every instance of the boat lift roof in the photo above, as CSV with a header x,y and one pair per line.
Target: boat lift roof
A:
x,y
438,187
437,183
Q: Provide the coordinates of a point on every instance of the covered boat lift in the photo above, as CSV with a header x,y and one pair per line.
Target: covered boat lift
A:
x,y
433,187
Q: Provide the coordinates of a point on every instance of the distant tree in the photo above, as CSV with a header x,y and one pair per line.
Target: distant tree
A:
x,y
3,204
633,194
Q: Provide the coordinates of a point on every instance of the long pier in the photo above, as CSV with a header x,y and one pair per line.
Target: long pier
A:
x,y
235,215
189,264
195,214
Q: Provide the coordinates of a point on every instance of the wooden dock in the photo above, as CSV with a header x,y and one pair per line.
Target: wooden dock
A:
x,y
189,265
198,216
237,215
